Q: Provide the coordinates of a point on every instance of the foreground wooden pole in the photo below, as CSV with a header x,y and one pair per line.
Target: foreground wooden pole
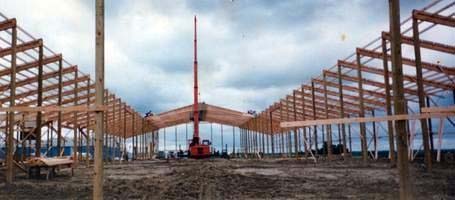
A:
x,y
99,101
398,99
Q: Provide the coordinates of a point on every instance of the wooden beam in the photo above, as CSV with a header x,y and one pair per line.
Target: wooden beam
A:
x,y
399,100
388,101
79,108
7,24
434,18
420,91
99,101
354,120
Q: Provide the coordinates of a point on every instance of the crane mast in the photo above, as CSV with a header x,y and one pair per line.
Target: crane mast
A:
x,y
195,105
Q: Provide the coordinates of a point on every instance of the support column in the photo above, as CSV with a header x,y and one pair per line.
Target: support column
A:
x,y
75,122
39,115
305,144
375,138
430,125
314,118
59,103
388,102
271,134
12,103
233,140
363,135
421,92
341,98
99,101
399,100
329,126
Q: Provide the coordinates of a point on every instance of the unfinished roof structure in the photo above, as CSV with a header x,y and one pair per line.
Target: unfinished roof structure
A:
x,y
38,88
349,90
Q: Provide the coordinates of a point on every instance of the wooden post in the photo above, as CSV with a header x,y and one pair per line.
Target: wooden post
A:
x,y
87,133
233,140
340,93
305,145
12,102
375,138
124,150
388,101
271,134
75,123
39,100
329,126
430,125
175,132
421,92
296,144
99,101
59,118
399,100
363,135
314,118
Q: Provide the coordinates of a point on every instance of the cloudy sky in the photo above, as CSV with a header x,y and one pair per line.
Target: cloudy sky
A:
x,y
251,52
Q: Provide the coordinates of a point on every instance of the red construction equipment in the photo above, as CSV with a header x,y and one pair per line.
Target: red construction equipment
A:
x,y
196,148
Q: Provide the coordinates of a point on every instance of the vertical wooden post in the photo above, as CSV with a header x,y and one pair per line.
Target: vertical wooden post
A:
x,y
399,100
99,101
388,101
39,100
363,135
329,126
12,102
175,130
59,118
430,126
314,118
124,150
375,138
271,134
305,145
233,140
341,97
421,92
75,123
87,121
296,144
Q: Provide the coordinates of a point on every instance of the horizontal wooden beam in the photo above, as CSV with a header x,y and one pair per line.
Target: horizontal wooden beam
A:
x,y
21,47
433,113
424,43
80,108
434,18
7,24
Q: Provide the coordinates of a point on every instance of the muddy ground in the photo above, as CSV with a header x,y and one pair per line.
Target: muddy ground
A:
x,y
239,179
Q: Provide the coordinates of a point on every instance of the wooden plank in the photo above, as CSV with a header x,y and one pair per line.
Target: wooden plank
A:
x,y
447,109
307,123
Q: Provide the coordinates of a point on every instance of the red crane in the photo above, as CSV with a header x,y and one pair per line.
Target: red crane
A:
x,y
196,148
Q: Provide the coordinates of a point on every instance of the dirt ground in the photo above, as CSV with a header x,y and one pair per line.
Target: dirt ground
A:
x,y
239,179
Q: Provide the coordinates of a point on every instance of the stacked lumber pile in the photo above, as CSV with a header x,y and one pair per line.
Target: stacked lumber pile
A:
x,y
48,162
